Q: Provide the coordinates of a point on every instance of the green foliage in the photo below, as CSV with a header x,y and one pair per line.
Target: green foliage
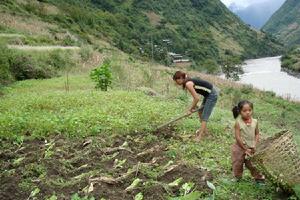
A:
x,y
53,197
297,190
86,53
191,196
247,89
42,110
34,193
291,60
5,74
102,75
77,197
139,27
139,196
19,65
211,66
285,23
186,188
231,67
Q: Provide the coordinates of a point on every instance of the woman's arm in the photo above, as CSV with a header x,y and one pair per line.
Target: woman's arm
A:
x,y
190,87
238,138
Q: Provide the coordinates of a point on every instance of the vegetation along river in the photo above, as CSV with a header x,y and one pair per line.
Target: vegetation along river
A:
x,y
266,74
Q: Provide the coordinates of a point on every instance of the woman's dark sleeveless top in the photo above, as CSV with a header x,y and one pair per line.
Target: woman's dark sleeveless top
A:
x,y
202,87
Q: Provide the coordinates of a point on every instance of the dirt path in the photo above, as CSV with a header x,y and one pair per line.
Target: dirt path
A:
x,y
42,48
11,35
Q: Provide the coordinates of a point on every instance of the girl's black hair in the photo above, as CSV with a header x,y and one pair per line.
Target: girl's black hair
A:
x,y
237,109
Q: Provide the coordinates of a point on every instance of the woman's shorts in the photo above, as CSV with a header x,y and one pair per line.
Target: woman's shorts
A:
x,y
208,104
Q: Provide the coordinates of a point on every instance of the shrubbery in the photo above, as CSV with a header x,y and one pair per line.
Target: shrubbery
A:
x,y
102,75
291,60
19,65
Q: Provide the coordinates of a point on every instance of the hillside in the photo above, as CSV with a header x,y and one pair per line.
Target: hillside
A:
x,y
202,30
291,61
257,14
285,23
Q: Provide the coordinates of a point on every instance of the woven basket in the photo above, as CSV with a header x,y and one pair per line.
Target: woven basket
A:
x,y
277,157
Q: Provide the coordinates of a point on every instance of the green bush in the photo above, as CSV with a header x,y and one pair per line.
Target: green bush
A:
x,y
60,59
24,67
19,65
86,53
211,66
5,74
102,75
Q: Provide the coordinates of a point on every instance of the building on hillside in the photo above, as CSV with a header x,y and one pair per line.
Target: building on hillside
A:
x,y
179,60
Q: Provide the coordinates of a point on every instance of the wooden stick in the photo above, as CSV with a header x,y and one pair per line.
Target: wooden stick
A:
x,y
176,119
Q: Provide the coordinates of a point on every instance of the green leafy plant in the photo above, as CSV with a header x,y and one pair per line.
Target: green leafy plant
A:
x,y
77,197
53,197
186,188
34,193
176,182
102,75
211,186
139,196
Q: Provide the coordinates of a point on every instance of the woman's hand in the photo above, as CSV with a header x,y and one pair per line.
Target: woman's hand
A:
x,y
191,111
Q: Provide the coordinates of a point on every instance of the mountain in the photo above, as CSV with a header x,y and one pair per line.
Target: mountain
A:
x,y
285,23
203,30
257,14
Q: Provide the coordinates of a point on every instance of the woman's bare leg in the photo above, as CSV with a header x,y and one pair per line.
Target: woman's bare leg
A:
x,y
201,132
205,130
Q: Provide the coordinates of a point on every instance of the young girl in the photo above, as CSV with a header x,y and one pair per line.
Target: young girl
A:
x,y
196,87
247,136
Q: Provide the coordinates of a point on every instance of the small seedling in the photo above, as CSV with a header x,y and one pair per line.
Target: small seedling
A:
x,y
176,182
119,163
139,196
187,188
33,193
49,151
134,184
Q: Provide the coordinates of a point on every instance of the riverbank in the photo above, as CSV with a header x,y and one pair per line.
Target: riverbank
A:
x,y
267,74
290,62
291,72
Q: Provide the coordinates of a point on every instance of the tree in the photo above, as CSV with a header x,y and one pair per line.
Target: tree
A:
x,y
232,67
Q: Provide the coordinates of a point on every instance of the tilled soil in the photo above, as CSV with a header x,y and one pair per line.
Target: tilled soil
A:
x,y
93,167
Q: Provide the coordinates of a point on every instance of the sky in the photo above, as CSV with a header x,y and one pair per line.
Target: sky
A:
x,y
242,3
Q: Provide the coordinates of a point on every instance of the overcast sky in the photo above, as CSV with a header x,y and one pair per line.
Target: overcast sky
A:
x,y
242,3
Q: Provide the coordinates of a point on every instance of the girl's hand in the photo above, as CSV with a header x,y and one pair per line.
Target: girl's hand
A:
x,y
248,152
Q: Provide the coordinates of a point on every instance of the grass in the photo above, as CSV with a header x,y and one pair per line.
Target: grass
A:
x,y
42,108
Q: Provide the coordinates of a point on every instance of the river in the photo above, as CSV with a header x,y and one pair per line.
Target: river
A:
x,y
266,74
